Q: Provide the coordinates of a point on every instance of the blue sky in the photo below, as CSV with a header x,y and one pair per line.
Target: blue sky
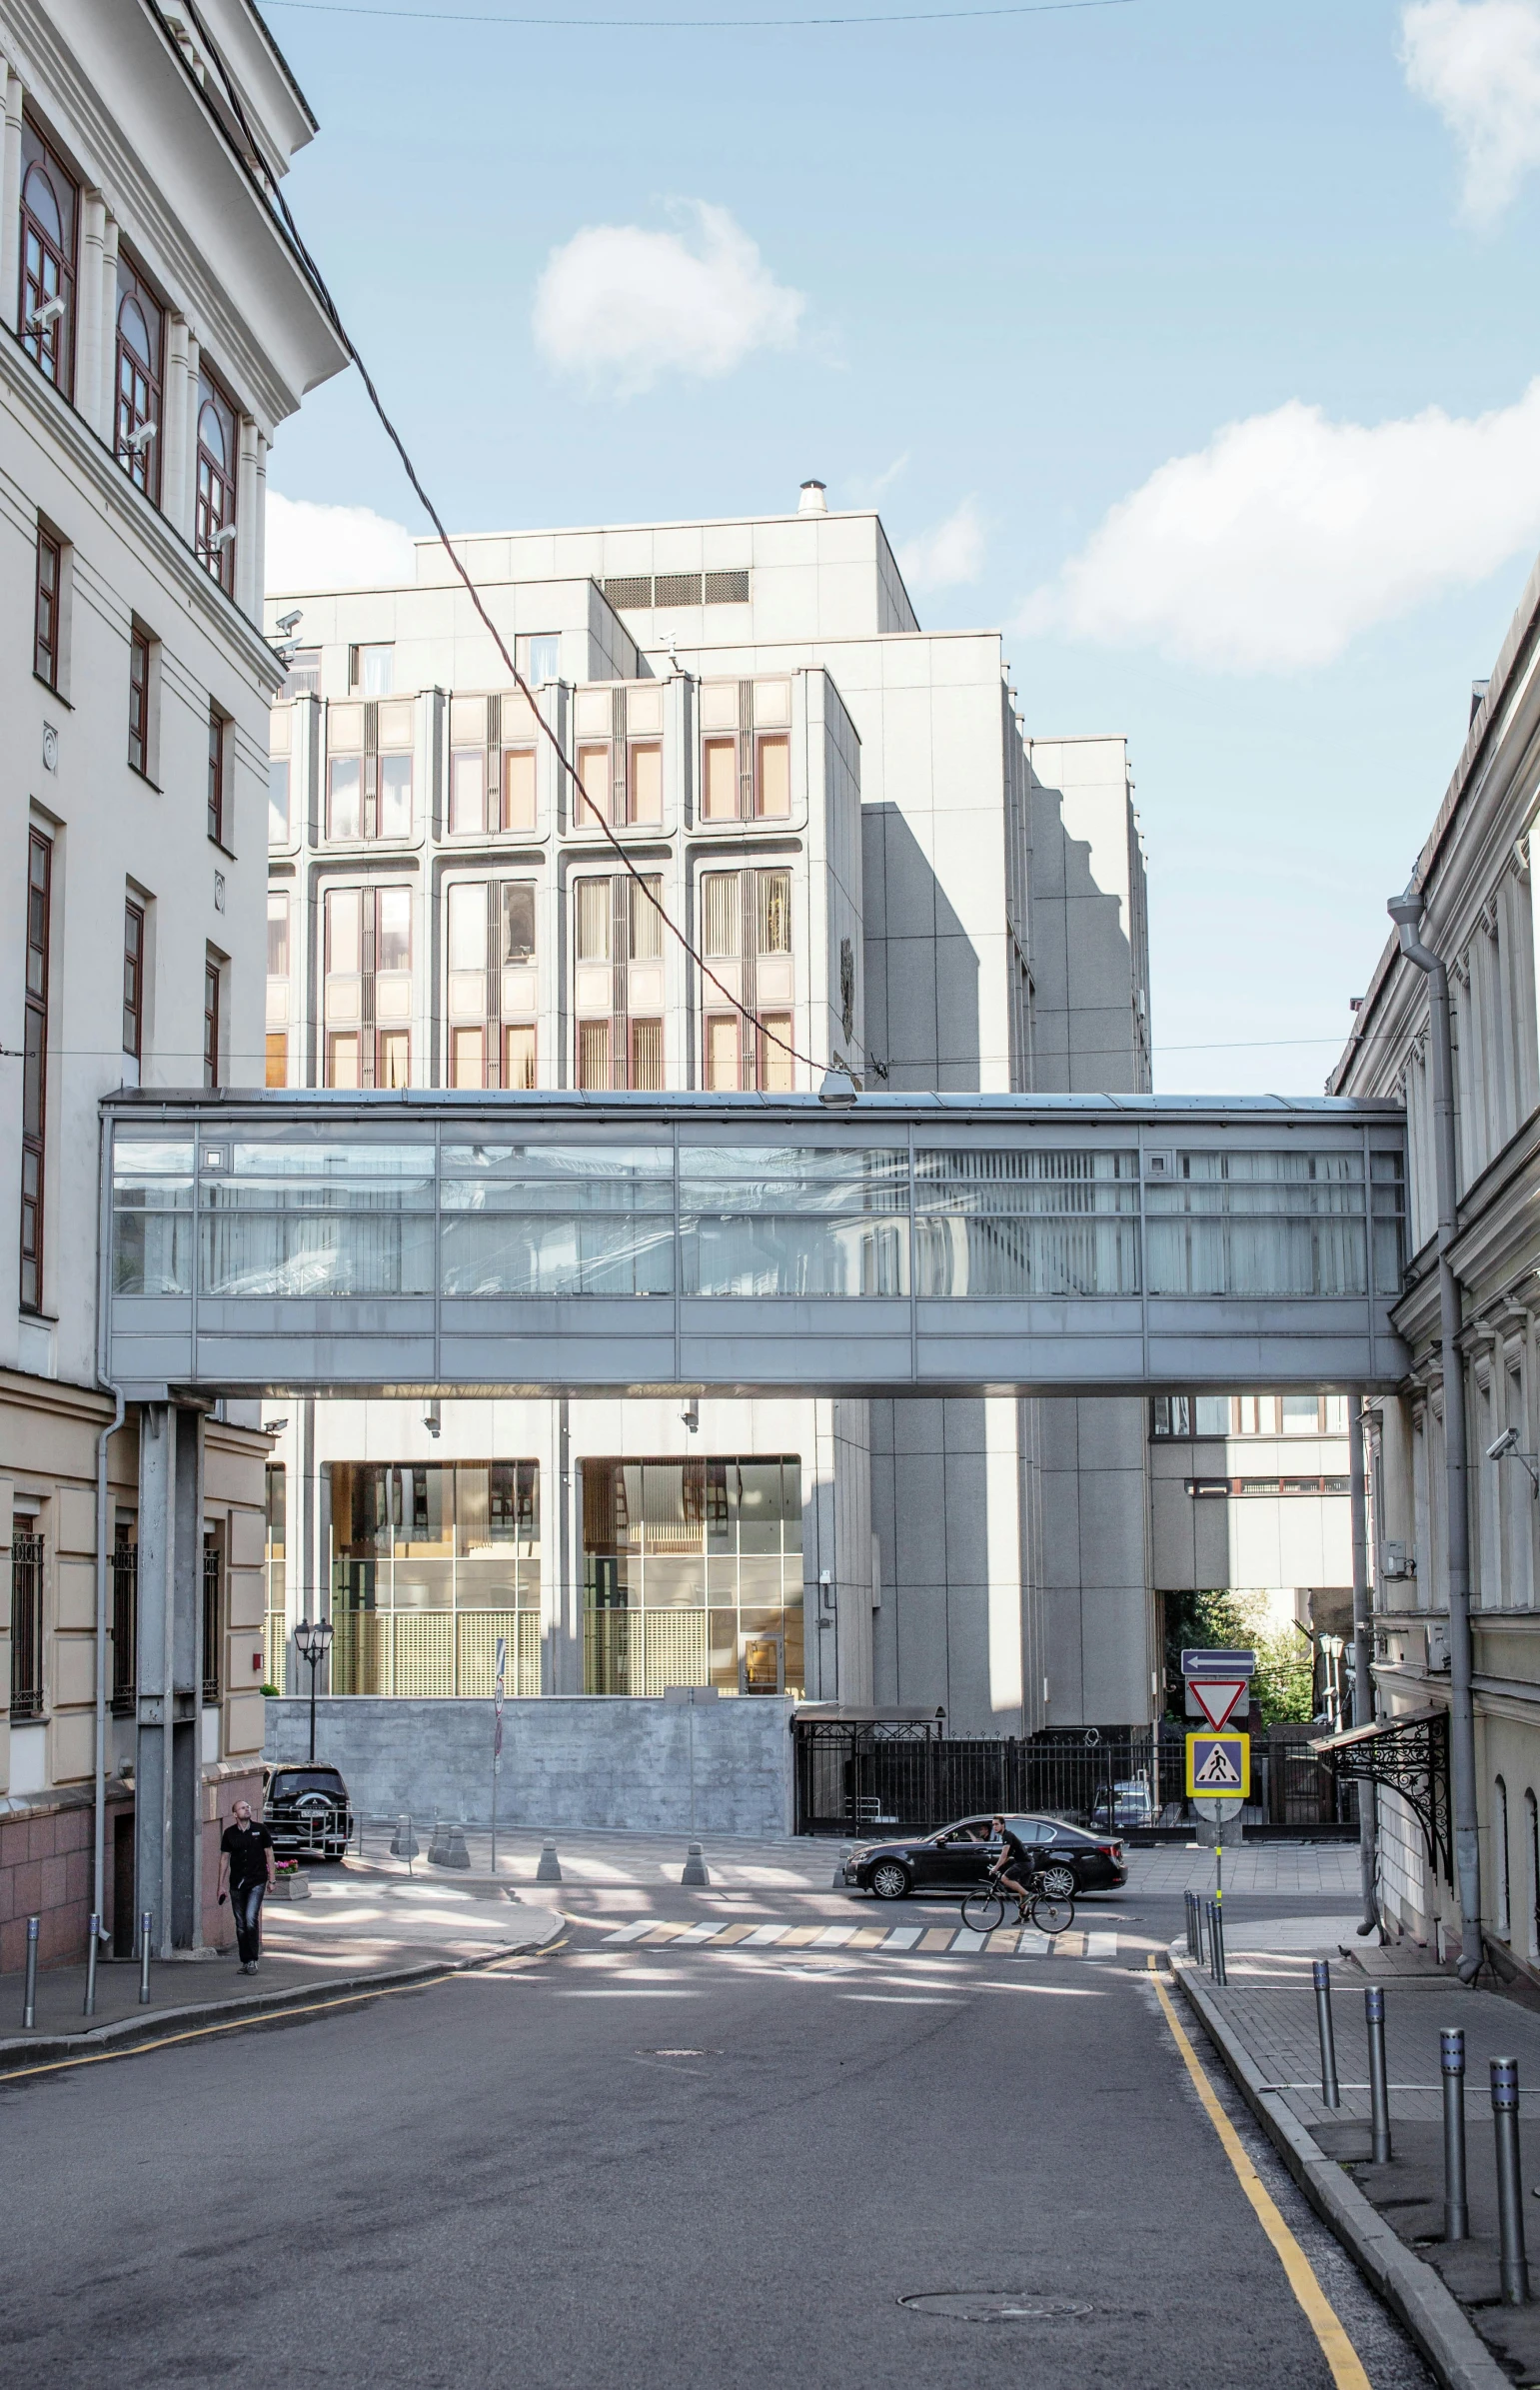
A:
x,y
998,275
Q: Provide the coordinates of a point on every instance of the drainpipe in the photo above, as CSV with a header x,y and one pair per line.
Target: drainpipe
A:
x,y
1407,913
1363,1647
99,1823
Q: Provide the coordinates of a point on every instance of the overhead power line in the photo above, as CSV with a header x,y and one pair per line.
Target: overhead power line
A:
x,y
642,880
915,16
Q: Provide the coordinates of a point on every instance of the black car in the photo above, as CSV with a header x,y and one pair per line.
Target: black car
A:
x,y
305,1809
960,1855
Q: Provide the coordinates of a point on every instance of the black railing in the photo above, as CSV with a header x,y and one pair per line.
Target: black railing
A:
x,y
870,1776
213,1636
26,1626
125,1626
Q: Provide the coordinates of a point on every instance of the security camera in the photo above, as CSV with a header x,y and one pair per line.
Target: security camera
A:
x,y
286,622
221,538
690,1415
1506,1442
135,443
45,315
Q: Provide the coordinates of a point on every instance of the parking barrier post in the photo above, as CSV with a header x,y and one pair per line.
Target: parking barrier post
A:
x,y
1451,2067
1320,1970
1513,2265
1379,2092
93,1938
29,1994
145,1923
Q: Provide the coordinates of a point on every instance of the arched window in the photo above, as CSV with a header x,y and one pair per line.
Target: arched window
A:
x,y
1504,1881
141,338
1531,1877
214,528
50,207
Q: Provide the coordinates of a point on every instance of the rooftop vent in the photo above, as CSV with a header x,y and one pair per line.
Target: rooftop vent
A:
x,y
812,501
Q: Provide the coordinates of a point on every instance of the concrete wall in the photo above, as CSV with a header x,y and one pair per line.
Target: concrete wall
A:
x,y
666,1767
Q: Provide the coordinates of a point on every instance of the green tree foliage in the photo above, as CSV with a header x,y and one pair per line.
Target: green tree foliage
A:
x,y
1282,1687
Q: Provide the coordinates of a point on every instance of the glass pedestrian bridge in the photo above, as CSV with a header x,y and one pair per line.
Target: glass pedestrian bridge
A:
x,y
439,1244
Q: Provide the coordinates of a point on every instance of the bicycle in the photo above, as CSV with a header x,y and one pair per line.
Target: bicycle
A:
x,y
1050,1913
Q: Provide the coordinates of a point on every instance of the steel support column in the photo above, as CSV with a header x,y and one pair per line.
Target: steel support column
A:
x,y
167,1756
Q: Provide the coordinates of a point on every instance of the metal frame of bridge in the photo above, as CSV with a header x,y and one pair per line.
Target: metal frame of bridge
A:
x,y
432,1242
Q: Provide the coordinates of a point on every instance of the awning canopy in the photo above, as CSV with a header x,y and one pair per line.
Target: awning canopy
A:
x,y
1409,1755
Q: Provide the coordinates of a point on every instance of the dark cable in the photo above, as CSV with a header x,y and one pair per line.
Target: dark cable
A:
x,y
471,590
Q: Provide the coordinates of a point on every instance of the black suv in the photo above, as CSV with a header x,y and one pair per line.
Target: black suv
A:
x,y
306,1811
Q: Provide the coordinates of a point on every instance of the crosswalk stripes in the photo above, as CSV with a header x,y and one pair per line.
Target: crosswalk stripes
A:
x,y
932,1940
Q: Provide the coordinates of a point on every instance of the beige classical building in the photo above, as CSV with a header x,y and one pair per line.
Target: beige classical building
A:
x,y
155,327
1474,880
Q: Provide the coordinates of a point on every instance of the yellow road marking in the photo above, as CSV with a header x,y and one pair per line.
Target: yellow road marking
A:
x,y
268,2016
869,1937
1336,2348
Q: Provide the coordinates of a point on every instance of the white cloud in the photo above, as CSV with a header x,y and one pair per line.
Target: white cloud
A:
x,y
1479,66
950,553
1275,545
333,547
619,306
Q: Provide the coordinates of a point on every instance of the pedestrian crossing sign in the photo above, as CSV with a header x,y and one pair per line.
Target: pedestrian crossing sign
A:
x,y
1220,1765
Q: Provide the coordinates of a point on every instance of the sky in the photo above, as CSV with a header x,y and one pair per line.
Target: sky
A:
x,y
1191,342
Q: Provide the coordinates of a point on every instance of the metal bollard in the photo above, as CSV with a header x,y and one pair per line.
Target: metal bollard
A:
x,y
1451,2063
1216,1943
845,1852
695,1869
1379,2092
1320,1970
550,1870
146,1921
93,1939
1513,2265
29,1995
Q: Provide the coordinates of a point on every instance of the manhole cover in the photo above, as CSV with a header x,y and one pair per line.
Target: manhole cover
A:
x,y
993,2306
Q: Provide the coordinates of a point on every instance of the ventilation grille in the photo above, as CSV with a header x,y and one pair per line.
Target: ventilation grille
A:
x,y
639,589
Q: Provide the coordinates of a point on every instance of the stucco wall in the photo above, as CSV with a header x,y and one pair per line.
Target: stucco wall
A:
x,y
568,1760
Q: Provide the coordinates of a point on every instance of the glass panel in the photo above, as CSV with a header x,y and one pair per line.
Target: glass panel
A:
x,y
468,1058
777,1063
468,925
593,780
393,1067
519,1062
393,951
594,907
467,792
342,1058
645,795
721,914
775,913
721,1056
1258,1223
545,657
395,808
518,921
278,801
1025,1223
343,796
719,780
278,936
519,789
376,671
772,791
644,901
593,1054
1211,1415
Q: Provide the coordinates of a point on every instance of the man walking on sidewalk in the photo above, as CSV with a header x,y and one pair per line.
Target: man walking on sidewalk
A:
x,y
246,1867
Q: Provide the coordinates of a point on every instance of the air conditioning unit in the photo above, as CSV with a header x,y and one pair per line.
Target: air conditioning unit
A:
x,y
1396,1561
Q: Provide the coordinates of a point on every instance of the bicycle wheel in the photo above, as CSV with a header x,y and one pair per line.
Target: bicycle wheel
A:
x,y
984,1911
1053,1916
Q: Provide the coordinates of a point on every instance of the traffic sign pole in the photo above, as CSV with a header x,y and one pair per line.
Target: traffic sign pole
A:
x,y
500,1673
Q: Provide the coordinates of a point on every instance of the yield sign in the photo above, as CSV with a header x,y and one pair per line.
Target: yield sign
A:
x,y
1216,1696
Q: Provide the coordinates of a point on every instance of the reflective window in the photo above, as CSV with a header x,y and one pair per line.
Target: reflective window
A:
x,y
433,1564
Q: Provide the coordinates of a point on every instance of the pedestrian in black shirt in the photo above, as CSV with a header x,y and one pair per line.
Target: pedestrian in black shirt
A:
x,y
246,1867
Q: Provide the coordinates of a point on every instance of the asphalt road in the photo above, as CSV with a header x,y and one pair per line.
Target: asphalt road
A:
x,y
668,2168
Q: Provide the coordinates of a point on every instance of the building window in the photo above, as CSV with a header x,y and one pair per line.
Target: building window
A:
x,y
133,979
776,1056
518,788
644,784
391,773
46,618
692,1575
218,744
721,1051
647,1054
594,908
275,1634
467,792
594,781
342,1058
303,678
213,1620
345,772
593,1054
772,778
26,1621
719,780
276,1063
139,700
214,516
138,380
721,914
540,656
280,742
772,911
431,1564
50,211
518,921
211,1005
278,990
519,1056
34,1069
468,1058
372,669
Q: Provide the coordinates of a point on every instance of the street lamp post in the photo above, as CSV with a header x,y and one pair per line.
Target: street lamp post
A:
x,y
313,1641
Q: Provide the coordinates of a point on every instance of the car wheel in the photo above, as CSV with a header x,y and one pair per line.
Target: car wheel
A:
x,y
1058,1883
889,1882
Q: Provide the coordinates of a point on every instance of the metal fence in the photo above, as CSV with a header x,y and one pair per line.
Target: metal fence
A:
x,y
866,1776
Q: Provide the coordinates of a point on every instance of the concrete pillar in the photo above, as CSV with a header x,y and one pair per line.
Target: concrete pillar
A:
x,y
88,363
247,438
10,204
172,430
167,1759
106,378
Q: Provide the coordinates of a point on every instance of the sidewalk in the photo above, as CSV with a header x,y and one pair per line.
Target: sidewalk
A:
x,y
1390,2217
363,1929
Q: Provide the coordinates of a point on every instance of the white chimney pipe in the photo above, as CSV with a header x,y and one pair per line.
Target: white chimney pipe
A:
x,y
812,501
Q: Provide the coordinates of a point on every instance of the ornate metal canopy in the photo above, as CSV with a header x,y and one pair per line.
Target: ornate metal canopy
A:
x,y
1409,1755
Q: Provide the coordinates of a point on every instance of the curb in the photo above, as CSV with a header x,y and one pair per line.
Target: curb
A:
x,y
253,2008
1437,2322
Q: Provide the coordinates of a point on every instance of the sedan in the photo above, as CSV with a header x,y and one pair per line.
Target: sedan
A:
x,y
959,1857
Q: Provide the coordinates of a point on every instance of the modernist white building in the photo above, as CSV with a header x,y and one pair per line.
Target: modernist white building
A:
x,y
155,327
843,811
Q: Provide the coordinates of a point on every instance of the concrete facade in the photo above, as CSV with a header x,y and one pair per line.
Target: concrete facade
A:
x,y
152,315
987,930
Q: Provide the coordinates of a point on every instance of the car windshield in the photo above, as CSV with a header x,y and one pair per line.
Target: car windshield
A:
x,y
290,1780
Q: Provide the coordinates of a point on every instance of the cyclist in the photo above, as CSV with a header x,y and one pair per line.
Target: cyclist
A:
x,y
1018,1861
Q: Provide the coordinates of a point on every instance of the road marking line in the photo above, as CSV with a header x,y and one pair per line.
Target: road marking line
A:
x,y
967,1939
834,1937
1102,1945
798,1937
903,1938
733,1933
1347,2370
633,1932
762,1934
701,1934
869,1937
